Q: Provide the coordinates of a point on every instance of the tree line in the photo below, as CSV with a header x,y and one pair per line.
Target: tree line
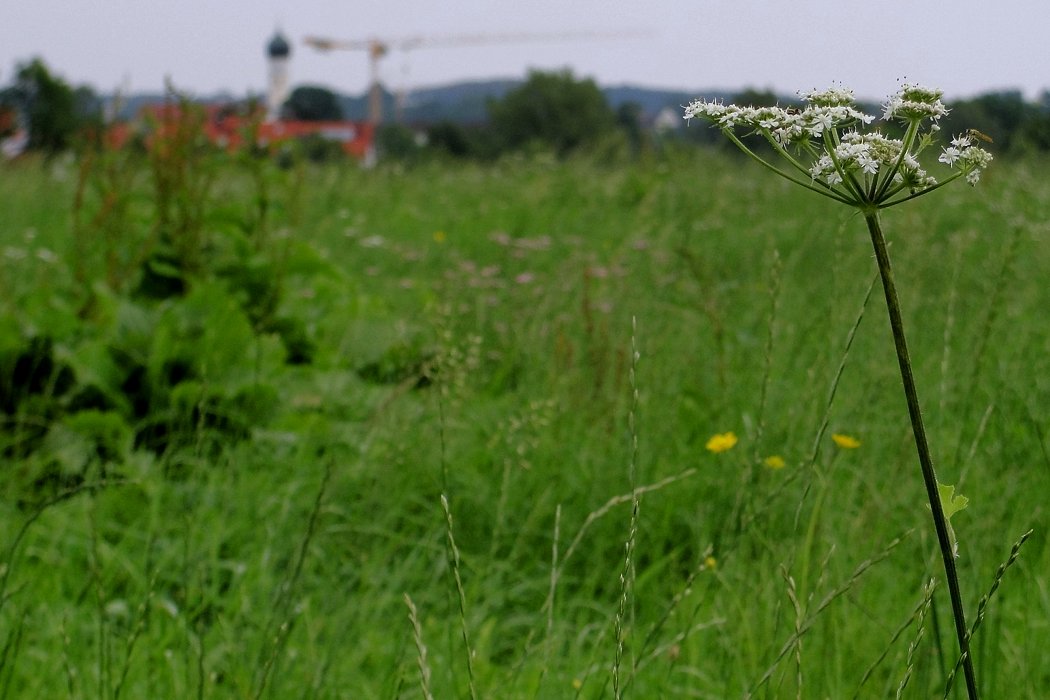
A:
x,y
51,111
550,111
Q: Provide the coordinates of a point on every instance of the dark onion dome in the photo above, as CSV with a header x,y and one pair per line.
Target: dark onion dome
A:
x,y
278,46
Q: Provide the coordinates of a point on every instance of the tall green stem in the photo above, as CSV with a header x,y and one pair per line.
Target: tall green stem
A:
x,y
929,476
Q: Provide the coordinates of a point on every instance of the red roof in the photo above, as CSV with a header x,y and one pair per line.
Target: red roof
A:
x,y
227,128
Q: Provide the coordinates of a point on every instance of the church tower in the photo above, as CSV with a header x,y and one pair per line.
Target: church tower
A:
x,y
278,51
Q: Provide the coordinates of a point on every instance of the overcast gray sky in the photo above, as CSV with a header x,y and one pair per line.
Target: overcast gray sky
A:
x,y
965,46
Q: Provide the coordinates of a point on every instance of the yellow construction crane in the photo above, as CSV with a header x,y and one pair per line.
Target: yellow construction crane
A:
x,y
378,48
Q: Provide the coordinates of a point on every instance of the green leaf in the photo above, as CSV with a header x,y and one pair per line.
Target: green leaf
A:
x,y
950,503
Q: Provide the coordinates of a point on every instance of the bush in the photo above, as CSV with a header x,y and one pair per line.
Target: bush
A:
x,y
554,110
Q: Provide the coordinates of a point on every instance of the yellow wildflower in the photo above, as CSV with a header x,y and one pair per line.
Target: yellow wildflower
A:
x,y
721,442
710,562
439,236
774,462
846,442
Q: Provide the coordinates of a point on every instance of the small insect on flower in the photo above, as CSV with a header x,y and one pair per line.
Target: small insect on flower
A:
x,y
975,134
846,442
721,442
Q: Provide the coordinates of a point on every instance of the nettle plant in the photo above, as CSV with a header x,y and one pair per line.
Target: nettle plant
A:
x,y
827,147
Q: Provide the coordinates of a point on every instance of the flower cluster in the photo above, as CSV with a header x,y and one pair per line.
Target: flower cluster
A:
x,y
915,102
870,154
785,126
971,158
824,144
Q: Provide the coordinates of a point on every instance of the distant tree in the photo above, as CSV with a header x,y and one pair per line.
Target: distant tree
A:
x,y
48,106
1043,102
313,104
396,142
90,114
629,118
553,109
1035,132
449,138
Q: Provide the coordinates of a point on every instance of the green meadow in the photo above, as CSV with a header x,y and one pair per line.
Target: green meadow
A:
x,y
441,430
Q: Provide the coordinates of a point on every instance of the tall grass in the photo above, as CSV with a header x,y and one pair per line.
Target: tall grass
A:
x,y
493,363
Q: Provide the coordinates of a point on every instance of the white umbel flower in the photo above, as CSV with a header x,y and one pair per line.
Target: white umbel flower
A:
x,y
829,150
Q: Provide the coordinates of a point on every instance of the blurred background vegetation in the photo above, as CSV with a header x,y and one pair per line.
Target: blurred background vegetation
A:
x,y
556,111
